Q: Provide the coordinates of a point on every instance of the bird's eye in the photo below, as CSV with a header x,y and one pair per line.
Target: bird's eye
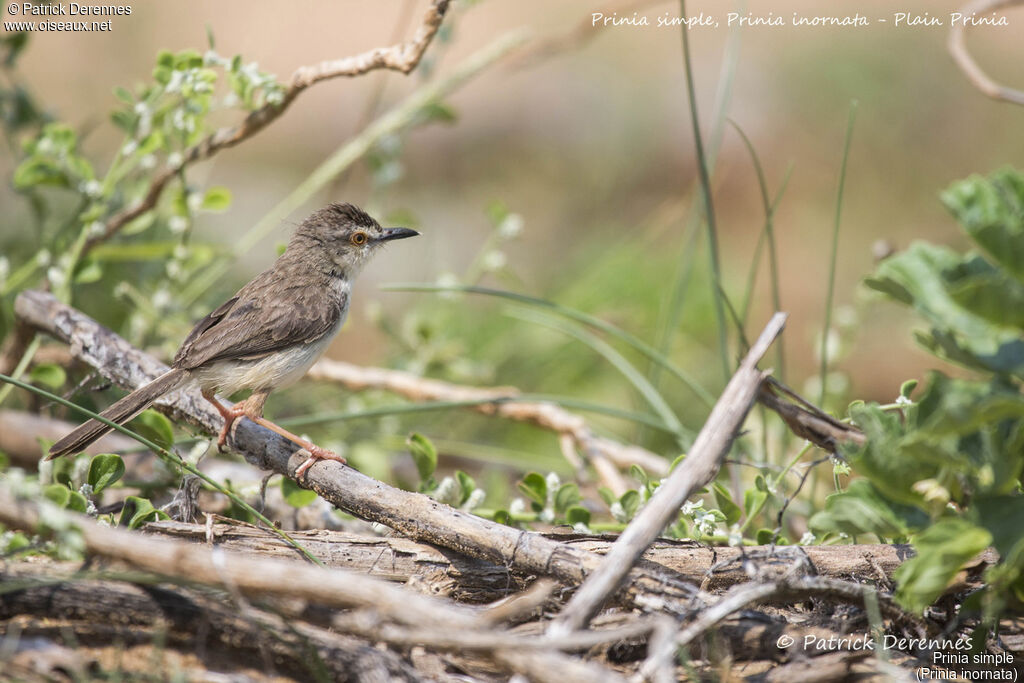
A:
x,y
359,239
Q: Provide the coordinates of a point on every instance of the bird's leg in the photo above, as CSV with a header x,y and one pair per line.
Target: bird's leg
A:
x,y
252,408
229,414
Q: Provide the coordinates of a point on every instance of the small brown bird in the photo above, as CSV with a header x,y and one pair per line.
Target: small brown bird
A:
x,y
268,334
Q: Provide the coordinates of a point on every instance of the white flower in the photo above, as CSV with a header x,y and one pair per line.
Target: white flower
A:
x,y
735,537
45,146
808,538
173,269
617,512
174,160
180,252
96,228
690,508
147,162
516,507
174,85
43,258
212,58
476,498
56,276
511,226
177,224
903,401
447,491
85,490
275,97
141,108
91,188
179,120
230,100
161,298
5,268
495,260
932,491
129,148
194,201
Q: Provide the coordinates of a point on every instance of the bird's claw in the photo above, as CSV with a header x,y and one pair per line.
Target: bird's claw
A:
x,y
316,454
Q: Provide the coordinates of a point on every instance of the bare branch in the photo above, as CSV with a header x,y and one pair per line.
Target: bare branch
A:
x,y
402,57
545,415
697,469
958,48
806,420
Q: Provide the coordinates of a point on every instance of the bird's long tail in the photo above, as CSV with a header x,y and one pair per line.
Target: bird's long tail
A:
x,y
122,411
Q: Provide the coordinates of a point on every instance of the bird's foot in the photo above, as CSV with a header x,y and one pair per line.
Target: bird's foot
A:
x,y
316,454
247,408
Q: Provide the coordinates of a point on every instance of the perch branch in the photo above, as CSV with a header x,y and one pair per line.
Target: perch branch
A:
x,y
958,49
699,467
545,415
413,515
806,420
402,57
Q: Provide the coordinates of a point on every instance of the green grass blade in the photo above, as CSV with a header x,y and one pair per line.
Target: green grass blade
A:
x,y
830,290
634,376
579,316
709,207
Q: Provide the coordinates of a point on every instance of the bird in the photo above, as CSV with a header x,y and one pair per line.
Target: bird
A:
x,y
269,333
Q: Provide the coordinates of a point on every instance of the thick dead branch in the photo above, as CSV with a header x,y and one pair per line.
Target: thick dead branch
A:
x,y
699,467
110,611
466,579
402,57
264,577
958,48
545,415
413,515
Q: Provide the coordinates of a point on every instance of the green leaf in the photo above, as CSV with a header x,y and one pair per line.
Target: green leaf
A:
x,y
49,375
907,388
630,502
753,501
639,474
77,502
942,550
606,495
466,485
295,495
991,210
137,511
765,536
566,496
17,541
155,427
502,517
88,271
577,514
439,112
58,494
217,199
424,454
104,470
679,459
123,95
730,509
535,487
863,509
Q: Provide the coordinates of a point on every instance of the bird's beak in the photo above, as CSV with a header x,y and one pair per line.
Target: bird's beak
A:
x,y
397,234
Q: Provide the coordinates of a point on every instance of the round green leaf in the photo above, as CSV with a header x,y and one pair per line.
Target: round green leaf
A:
x,y
104,470
295,495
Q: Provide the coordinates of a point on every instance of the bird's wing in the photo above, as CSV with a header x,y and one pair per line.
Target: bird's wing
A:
x,y
253,324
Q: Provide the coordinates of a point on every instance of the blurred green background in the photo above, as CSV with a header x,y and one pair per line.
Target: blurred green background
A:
x,y
591,146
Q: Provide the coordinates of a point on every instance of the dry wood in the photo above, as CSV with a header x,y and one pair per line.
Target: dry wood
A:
x,y
413,515
806,420
111,611
545,415
262,577
699,467
466,579
20,433
958,48
402,57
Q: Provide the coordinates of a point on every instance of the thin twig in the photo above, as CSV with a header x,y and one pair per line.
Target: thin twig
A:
x,y
696,470
958,49
546,415
402,57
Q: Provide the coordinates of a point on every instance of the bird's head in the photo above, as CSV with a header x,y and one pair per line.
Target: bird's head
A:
x,y
345,236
